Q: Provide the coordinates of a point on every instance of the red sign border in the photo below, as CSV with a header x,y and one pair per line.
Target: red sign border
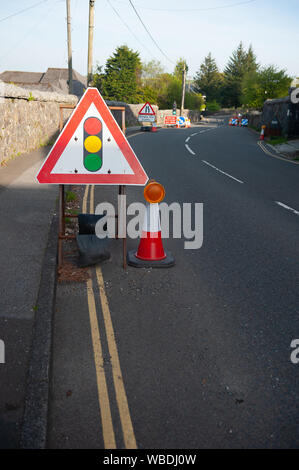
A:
x,y
146,114
91,95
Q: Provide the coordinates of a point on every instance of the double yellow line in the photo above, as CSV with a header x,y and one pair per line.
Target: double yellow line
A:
x,y
265,150
103,394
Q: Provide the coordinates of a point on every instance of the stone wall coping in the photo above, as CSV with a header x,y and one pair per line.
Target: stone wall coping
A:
x,y
8,90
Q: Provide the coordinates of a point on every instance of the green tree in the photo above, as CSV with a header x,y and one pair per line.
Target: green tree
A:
x,y
251,93
98,78
173,92
208,80
150,94
178,71
162,85
152,81
240,63
151,70
251,63
267,83
121,80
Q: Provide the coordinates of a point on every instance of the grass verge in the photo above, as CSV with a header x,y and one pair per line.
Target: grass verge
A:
x,y
277,140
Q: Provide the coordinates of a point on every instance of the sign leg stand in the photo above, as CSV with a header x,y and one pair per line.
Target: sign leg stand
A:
x,y
125,239
61,225
122,222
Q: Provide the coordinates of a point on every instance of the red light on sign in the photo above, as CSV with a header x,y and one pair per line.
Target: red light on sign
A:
x,y
92,126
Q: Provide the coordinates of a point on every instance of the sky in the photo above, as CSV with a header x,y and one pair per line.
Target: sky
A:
x,y
36,39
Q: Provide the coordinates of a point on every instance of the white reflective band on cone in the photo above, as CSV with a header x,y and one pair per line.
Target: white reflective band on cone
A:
x,y
151,221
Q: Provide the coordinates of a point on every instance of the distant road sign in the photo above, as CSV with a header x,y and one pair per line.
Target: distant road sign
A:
x,y
181,121
147,114
146,118
170,120
147,110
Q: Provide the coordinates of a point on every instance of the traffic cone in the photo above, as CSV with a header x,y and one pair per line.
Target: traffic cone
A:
x,y
150,251
262,135
154,127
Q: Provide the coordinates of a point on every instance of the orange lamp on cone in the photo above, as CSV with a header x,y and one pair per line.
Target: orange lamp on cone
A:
x,y
150,251
262,134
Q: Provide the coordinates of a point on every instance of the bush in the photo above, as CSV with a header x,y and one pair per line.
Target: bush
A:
x,y
213,106
194,101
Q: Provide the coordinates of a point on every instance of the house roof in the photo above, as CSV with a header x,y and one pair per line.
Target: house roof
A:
x,y
21,77
58,79
55,79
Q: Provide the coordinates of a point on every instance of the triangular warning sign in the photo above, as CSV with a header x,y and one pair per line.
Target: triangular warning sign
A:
x,y
92,149
147,110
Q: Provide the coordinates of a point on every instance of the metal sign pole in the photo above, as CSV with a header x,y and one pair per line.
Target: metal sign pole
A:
x,y
123,191
61,234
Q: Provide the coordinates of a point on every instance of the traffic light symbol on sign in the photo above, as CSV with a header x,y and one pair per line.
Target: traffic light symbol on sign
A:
x,y
92,143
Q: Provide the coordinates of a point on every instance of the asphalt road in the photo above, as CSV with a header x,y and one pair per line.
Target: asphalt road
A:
x,y
204,347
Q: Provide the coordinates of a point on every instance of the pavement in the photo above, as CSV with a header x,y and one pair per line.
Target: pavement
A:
x,y
26,212
290,149
198,355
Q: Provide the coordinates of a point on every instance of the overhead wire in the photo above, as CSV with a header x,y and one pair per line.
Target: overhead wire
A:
x,y
230,5
128,27
23,11
31,30
150,35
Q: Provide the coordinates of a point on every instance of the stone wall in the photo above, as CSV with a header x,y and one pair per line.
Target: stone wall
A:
x,y
132,111
255,119
194,116
281,117
276,110
28,119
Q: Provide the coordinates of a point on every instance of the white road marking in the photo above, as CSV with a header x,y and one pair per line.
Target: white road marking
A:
x,y
189,150
223,172
194,134
133,135
187,140
287,207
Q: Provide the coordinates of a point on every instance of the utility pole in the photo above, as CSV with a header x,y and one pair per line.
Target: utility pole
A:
x,y
183,89
90,41
69,45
